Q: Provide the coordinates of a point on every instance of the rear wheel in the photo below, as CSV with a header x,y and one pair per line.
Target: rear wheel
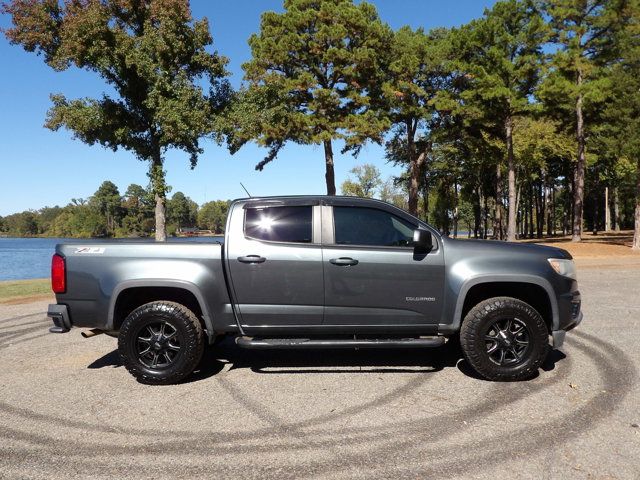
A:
x,y
504,338
161,343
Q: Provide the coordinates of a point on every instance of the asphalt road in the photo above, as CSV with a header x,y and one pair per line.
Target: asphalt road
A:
x,y
68,409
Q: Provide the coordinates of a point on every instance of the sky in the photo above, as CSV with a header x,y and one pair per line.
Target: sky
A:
x,y
40,168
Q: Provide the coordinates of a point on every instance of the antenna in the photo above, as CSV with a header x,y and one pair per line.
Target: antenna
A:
x,y
245,189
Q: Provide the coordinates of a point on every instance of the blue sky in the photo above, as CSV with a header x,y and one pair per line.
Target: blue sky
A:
x,y
39,167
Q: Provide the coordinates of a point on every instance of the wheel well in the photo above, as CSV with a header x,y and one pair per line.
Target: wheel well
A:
x,y
530,293
132,298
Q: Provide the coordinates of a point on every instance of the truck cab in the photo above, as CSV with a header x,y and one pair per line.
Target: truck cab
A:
x,y
337,266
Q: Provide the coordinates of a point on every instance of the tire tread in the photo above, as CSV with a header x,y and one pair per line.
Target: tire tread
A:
x,y
194,335
474,351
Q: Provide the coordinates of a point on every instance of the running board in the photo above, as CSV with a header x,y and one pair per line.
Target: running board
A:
x,y
266,343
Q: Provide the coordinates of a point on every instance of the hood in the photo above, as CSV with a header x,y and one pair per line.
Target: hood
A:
x,y
484,247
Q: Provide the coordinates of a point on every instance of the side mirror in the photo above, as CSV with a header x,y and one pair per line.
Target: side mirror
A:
x,y
422,241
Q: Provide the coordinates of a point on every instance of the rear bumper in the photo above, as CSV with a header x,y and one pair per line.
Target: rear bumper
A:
x,y
59,314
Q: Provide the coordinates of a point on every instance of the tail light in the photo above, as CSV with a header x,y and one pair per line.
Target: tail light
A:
x,y
58,274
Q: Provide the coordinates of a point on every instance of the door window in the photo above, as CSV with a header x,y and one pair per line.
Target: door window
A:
x,y
370,226
279,224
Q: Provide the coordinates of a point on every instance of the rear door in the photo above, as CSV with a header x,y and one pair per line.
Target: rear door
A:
x,y
373,280
275,266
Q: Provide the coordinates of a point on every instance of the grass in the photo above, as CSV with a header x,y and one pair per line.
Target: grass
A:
x,y
17,289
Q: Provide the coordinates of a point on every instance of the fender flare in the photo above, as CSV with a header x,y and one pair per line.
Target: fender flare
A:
x,y
179,284
473,281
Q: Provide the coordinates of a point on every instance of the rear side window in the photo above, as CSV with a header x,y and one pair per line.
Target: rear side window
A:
x,y
279,224
370,226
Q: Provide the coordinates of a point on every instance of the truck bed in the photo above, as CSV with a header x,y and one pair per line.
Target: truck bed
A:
x,y
99,271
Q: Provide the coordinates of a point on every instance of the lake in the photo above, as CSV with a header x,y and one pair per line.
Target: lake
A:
x,y
24,258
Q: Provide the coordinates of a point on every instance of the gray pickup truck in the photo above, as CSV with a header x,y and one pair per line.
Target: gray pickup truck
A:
x,y
318,272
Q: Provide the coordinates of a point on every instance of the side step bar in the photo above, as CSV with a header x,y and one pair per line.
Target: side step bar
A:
x,y
266,343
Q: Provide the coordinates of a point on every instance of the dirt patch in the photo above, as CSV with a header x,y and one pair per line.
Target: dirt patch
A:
x,y
602,245
27,299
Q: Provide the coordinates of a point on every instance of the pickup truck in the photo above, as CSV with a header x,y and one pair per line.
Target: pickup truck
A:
x,y
318,272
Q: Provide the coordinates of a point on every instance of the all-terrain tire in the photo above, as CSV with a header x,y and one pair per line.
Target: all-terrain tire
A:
x,y
485,321
184,342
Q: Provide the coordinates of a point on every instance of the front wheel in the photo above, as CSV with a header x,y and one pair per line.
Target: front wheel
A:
x,y
161,343
504,338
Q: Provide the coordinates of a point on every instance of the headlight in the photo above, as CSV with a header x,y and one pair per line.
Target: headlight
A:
x,y
564,267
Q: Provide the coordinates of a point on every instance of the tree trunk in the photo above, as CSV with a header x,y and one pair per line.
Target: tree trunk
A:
x,y
511,222
553,210
616,209
497,220
455,209
525,219
156,174
415,164
548,209
596,202
476,212
568,204
578,193
607,211
636,233
540,209
596,212
329,175
485,213
425,199
532,207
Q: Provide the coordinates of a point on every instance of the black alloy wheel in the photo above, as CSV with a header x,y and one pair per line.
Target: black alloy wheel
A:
x,y
507,341
504,339
158,345
161,343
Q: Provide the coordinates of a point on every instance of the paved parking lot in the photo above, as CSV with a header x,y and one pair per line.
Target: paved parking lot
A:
x,y
68,409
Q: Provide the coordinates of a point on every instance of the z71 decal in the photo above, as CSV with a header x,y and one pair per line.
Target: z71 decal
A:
x,y
97,250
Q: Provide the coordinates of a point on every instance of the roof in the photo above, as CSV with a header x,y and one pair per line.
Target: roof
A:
x,y
334,200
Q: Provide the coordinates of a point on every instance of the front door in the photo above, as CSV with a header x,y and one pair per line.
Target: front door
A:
x,y
372,278
275,267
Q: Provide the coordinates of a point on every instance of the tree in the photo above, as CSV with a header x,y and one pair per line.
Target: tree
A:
x,y
417,74
46,216
366,182
107,201
169,88
182,211
22,224
584,32
504,57
392,193
314,78
213,215
138,205
621,113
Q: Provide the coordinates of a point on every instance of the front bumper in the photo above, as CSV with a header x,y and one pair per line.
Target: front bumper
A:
x,y
558,335
59,314
570,315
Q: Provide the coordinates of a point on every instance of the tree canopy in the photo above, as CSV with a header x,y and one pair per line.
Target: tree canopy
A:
x,y
169,87
314,78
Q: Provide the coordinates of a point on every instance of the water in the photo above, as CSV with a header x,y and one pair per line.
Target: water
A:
x,y
24,258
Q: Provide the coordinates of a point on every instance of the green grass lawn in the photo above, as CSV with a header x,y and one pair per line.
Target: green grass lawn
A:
x,y
12,289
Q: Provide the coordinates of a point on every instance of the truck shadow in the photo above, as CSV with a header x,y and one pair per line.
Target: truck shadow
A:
x,y
274,362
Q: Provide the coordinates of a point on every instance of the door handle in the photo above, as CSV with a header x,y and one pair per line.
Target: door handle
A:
x,y
344,261
251,259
